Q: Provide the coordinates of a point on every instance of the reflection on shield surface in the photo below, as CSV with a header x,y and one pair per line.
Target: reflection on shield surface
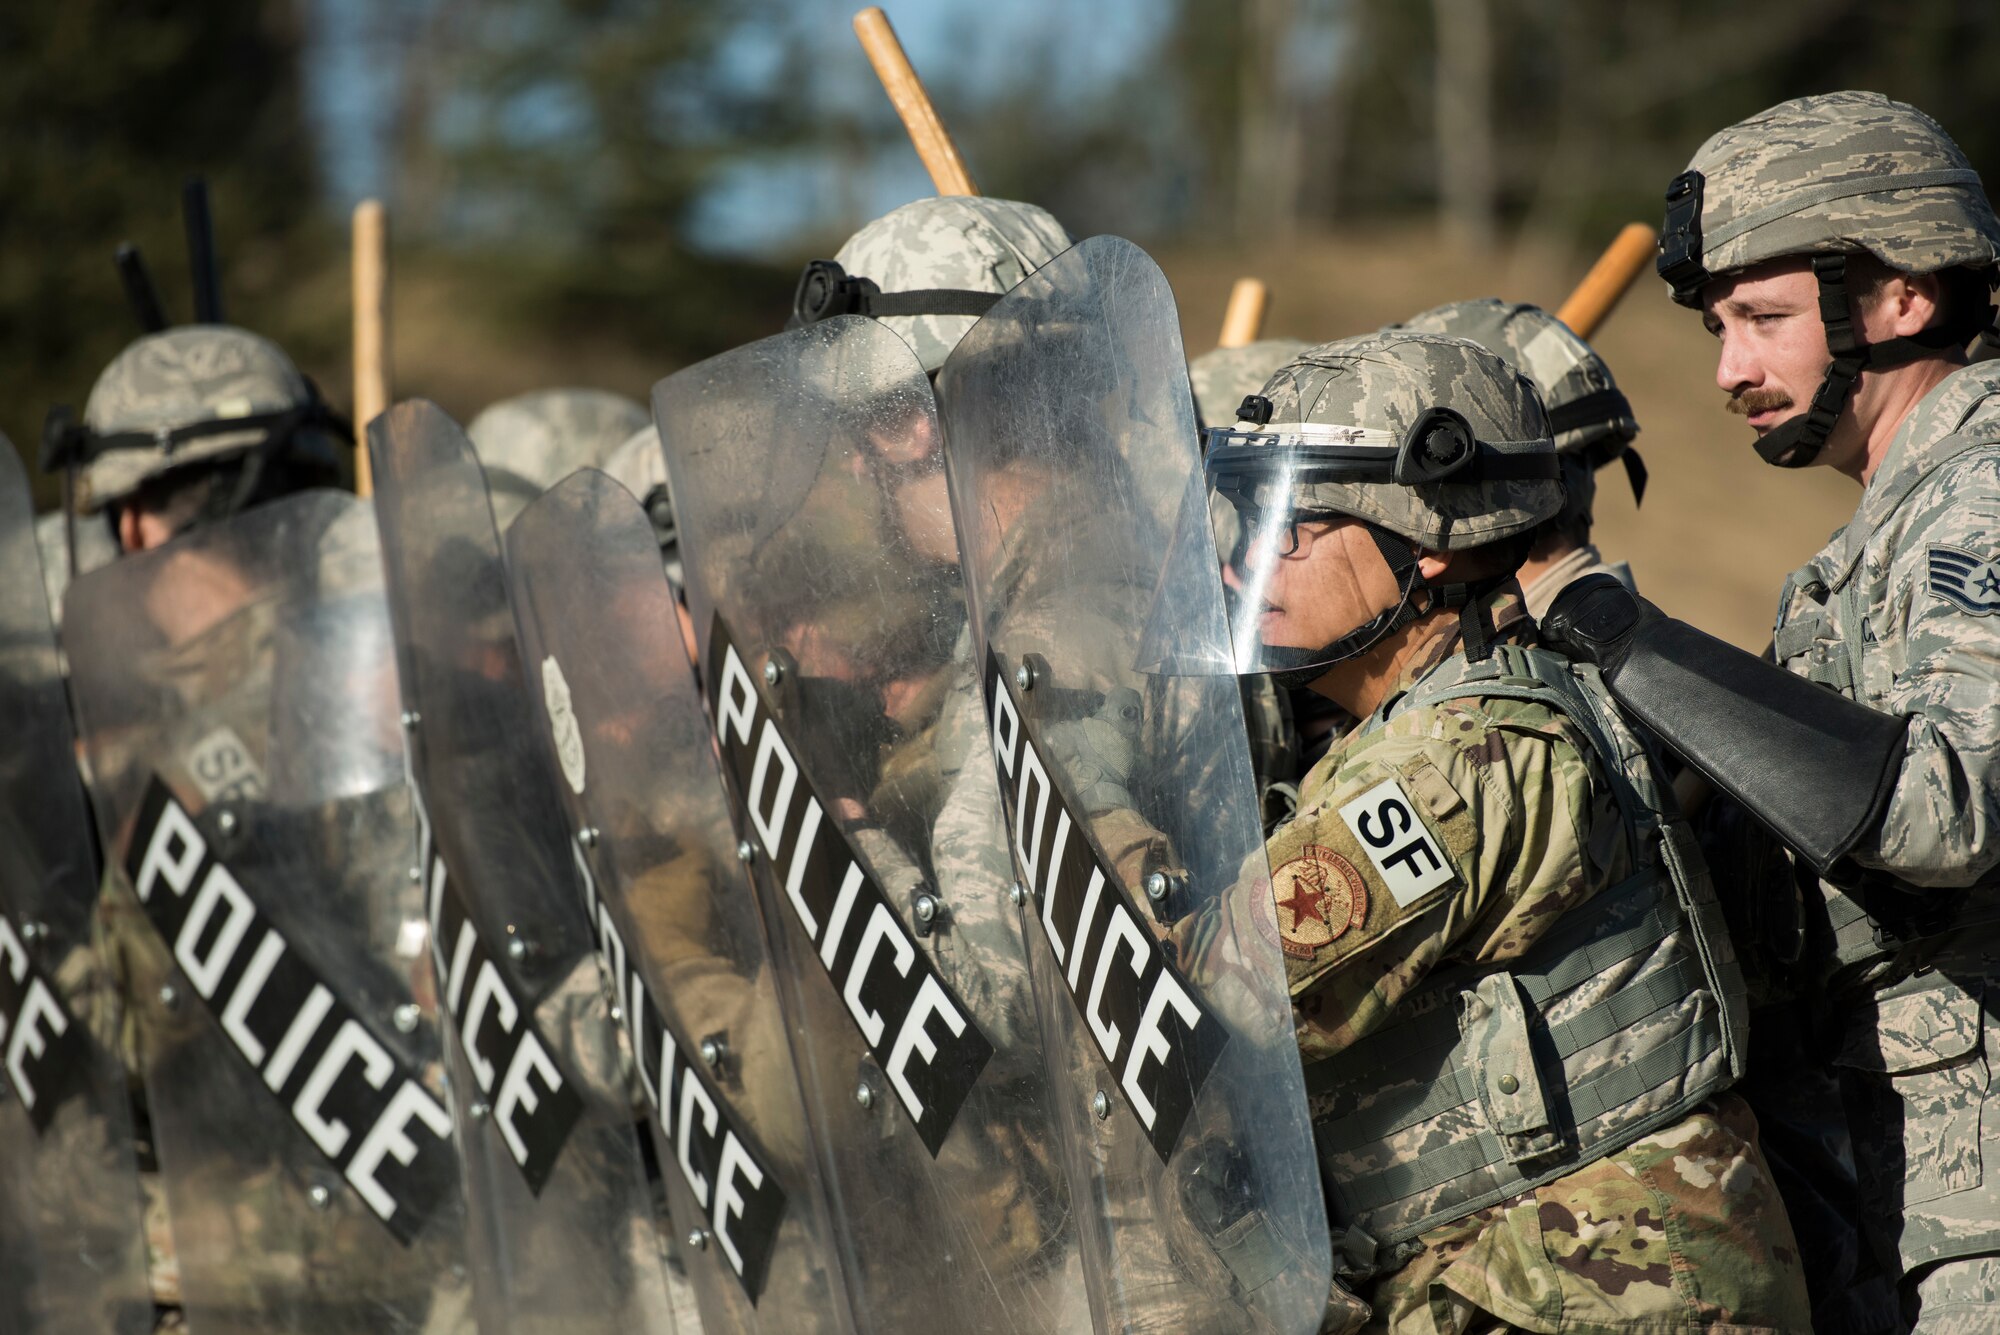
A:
x,y
71,1253
1131,809
239,714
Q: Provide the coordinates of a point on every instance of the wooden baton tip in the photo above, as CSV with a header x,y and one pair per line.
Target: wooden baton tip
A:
x,y
932,141
1243,321
371,331
1629,253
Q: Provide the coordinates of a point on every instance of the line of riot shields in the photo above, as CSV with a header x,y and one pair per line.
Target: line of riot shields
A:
x,y
494,935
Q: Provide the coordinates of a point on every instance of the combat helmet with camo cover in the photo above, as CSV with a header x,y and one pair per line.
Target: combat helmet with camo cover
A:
x,y
197,395
931,268
1434,443
1589,416
1224,377
532,441
1828,177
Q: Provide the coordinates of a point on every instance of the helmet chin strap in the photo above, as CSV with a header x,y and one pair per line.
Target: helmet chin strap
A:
x,y
1296,668
1799,441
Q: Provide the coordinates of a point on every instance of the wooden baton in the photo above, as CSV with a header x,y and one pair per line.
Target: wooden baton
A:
x,y
371,330
1630,252
906,93
1243,321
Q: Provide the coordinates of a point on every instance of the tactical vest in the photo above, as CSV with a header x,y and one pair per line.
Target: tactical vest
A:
x,y
1873,922
1490,1080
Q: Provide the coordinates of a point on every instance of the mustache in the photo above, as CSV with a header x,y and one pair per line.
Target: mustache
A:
x,y
1757,401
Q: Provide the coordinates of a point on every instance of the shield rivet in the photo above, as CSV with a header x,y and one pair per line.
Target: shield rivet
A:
x,y
411,718
711,1052
1100,1103
170,996
587,836
744,852
698,1239
864,1095
226,822
517,949
479,1111
319,1196
773,674
406,1017
617,1014
416,876
1024,677
1018,894
926,908
1156,886
32,932
1508,1084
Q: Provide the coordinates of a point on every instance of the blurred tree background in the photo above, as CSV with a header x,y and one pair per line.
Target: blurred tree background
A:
x,y
598,191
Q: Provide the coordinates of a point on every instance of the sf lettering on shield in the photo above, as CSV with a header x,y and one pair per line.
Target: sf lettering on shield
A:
x,y
1158,1039
917,1029
340,1084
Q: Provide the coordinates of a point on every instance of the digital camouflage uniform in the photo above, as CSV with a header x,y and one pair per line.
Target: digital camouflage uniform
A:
x,y
532,441
1621,1190
1590,418
1891,613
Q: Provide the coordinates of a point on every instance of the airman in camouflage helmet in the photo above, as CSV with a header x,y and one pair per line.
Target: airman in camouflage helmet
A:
x,y
532,441
191,425
1477,861
931,268
1589,417
1842,250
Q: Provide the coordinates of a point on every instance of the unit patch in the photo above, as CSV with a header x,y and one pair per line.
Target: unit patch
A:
x,y
1319,896
1966,580
1396,840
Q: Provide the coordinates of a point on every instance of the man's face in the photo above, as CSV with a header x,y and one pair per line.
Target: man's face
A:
x,y
1336,581
1774,351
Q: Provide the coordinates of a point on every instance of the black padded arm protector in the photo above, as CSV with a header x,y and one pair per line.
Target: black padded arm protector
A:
x,y
1811,764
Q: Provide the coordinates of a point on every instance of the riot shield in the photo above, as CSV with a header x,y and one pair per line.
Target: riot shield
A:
x,y
561,1228
1131,809
238,702
72,1257
822,578
621,721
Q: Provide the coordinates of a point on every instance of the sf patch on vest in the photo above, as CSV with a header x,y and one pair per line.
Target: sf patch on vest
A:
x,y
1408,857
1966,580
340,1083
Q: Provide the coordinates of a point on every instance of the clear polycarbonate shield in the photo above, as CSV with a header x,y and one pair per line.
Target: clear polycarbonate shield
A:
x,y
1070,439
237,696
620,719
561,1222
824,591
72,1254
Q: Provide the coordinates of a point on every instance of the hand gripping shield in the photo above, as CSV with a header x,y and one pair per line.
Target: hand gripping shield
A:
x,y
824,591
1132,813
71,1252
620,719
560,1219
238,697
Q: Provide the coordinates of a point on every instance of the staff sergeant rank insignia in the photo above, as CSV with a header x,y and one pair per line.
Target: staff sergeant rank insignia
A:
x,y
1968,581
1319,897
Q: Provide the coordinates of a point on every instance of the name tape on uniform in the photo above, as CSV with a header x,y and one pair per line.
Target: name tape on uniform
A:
x,y
534,1107
1398,842
45,1052
364,1109
1156,1036
917,1029
722,1163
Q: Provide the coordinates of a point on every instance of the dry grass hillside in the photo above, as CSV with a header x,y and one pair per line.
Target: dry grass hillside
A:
x,y
1720,528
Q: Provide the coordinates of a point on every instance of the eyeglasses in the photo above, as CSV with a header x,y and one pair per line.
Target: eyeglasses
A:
x,y
1284,534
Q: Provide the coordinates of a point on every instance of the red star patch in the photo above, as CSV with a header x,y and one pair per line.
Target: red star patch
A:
x,y
1319,898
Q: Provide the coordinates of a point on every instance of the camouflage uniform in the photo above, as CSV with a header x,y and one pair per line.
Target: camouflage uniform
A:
x,y
1591,420
1516,1062
532,441
1902,943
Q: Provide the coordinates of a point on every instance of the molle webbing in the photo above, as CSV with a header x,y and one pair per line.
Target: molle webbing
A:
x,y
1487,1082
